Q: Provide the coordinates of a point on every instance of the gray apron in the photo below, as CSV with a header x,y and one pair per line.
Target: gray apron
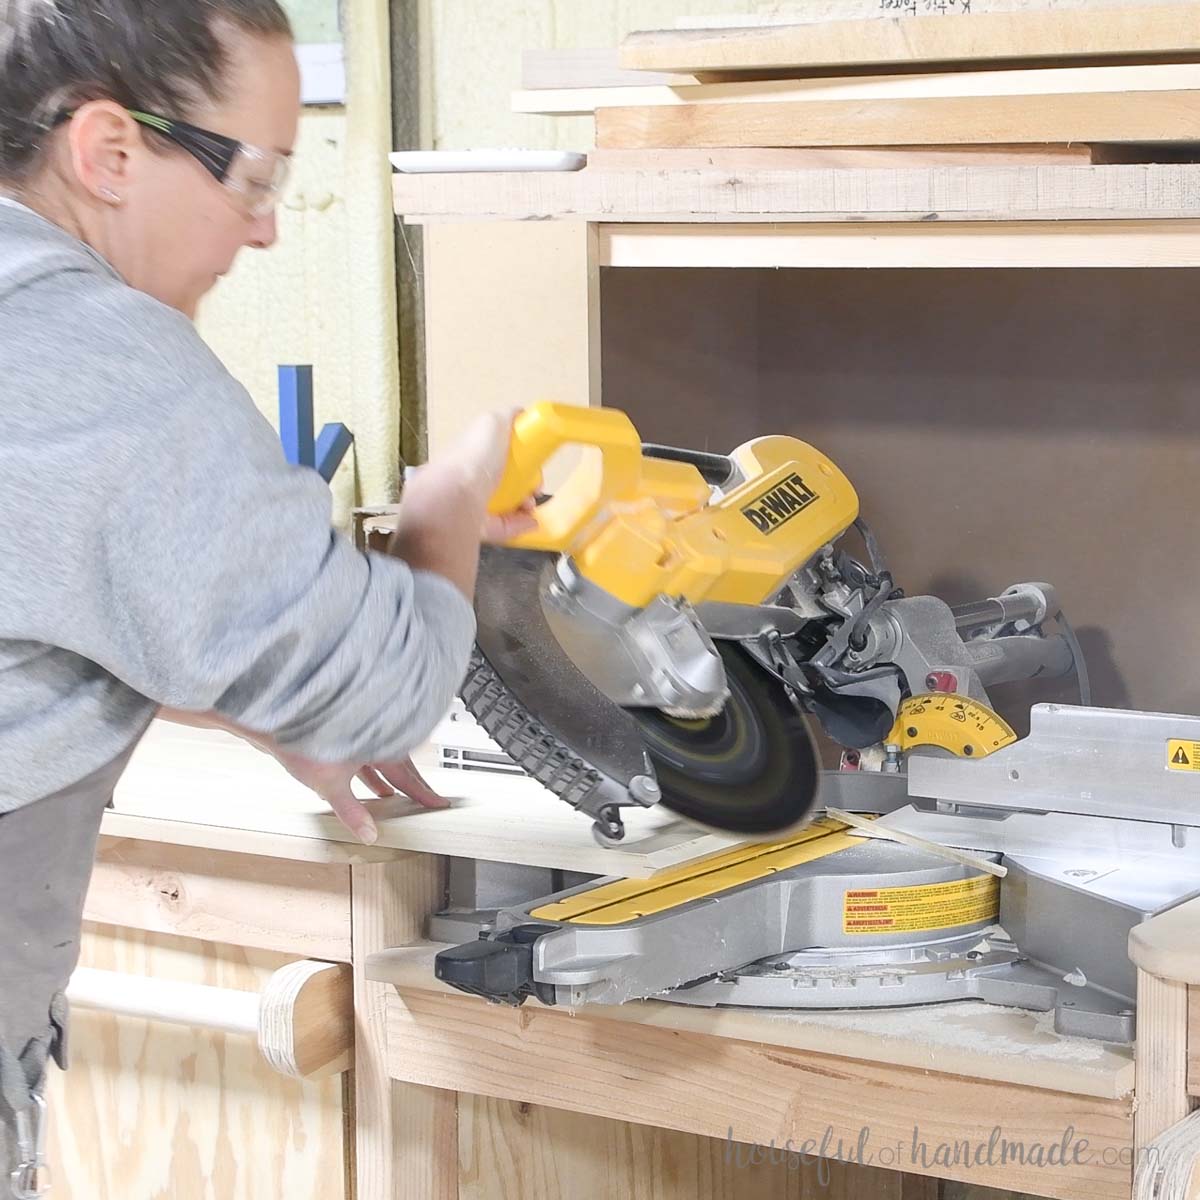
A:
x,y
46,854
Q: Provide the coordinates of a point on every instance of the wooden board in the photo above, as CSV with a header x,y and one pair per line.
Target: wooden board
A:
x,y
914,244
267,845
1193,1078
405,1135
738,161
758,1093
155,1110
1171,116
1158,77
575,68
1004,1045
1168,945
1161,1060
204,777
302,909
928,194
1168,31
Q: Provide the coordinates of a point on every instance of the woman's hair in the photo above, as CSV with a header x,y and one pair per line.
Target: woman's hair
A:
x,y
159,56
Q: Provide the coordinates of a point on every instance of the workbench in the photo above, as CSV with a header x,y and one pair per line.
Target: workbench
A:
x,y
215,868
513,271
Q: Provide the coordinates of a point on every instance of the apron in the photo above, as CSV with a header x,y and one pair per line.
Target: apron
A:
x,y
46,854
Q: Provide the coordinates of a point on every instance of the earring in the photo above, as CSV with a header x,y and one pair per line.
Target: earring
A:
x,y
108,194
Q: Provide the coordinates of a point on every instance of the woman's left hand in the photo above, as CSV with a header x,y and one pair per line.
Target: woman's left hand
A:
x,y
331,781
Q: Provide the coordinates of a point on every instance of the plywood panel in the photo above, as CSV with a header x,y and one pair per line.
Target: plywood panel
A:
x,y
510,1150
163,1112
511,317
999,426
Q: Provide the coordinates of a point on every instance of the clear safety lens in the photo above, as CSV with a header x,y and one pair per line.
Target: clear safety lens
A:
x,y
257,177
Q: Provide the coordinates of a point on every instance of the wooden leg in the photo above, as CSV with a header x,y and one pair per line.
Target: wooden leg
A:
x,y
1161,1058
512,315
406,1136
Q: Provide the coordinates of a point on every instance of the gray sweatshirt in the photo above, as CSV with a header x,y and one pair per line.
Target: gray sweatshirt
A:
x,y
157,549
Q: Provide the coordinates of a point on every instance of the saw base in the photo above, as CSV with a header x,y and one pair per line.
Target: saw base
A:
x,y
785,926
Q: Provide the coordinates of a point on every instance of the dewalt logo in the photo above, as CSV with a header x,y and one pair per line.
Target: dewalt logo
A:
x,y
778,506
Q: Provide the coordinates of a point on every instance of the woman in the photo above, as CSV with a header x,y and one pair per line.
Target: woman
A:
x,y
155,548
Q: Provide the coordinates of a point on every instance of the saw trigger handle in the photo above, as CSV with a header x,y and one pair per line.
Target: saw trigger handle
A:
x,y
538,433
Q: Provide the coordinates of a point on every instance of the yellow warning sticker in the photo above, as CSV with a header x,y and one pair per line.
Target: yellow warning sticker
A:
x,y
1183,755
921,907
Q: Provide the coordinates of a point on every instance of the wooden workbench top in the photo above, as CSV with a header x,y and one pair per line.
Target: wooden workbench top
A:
x,y
205,788
965,1037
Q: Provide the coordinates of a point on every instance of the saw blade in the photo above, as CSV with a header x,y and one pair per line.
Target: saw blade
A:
x,y
532,699
751,769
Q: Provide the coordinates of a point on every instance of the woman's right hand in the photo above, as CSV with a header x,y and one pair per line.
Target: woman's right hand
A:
x,y
468,474
443,516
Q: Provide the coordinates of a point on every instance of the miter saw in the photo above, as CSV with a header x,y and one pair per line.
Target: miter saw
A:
x,y
666,632
1095,818
676,617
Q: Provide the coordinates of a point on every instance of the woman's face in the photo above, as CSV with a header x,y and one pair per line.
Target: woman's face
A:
x,y
177,229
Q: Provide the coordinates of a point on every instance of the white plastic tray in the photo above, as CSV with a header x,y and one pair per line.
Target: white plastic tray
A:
x,y
442,161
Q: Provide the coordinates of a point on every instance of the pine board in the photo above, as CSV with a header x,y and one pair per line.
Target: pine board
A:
x,y
208,778
928,194
1166,116
1048,81
1168,31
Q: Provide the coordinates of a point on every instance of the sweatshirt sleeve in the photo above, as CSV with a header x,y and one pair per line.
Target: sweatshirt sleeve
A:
x,y
226,588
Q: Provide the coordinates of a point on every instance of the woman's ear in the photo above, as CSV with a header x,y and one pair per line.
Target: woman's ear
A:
x,y
104,142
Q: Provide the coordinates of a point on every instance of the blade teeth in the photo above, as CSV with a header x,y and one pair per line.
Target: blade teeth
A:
x,y
523,738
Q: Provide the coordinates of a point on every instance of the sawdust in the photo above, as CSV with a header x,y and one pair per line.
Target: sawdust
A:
x,y
966,1025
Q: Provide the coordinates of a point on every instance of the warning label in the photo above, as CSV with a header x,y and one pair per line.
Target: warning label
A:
x,y
1183,755
925,906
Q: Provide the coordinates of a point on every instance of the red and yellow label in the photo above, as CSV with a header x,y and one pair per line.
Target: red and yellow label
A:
x,y
921,907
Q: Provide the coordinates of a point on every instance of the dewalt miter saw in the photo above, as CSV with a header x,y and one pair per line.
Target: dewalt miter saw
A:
x,y
675,618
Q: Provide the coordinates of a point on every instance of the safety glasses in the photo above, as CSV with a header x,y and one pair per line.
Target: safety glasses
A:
x,y
254,177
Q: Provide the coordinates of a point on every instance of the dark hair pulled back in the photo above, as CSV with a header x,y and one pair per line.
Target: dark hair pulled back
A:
x,y
158,55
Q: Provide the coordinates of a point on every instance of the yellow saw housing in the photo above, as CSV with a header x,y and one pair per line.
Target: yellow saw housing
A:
x,y
642,527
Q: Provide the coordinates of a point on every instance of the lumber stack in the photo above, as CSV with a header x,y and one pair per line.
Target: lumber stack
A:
x,y
1054,87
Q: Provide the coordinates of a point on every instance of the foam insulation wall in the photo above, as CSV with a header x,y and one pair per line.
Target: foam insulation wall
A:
x,y
325,293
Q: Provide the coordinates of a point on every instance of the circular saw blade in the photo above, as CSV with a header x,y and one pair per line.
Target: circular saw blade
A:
x,y
751,769
534,702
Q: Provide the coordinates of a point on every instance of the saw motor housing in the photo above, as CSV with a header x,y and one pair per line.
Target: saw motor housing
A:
x,y
687,587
